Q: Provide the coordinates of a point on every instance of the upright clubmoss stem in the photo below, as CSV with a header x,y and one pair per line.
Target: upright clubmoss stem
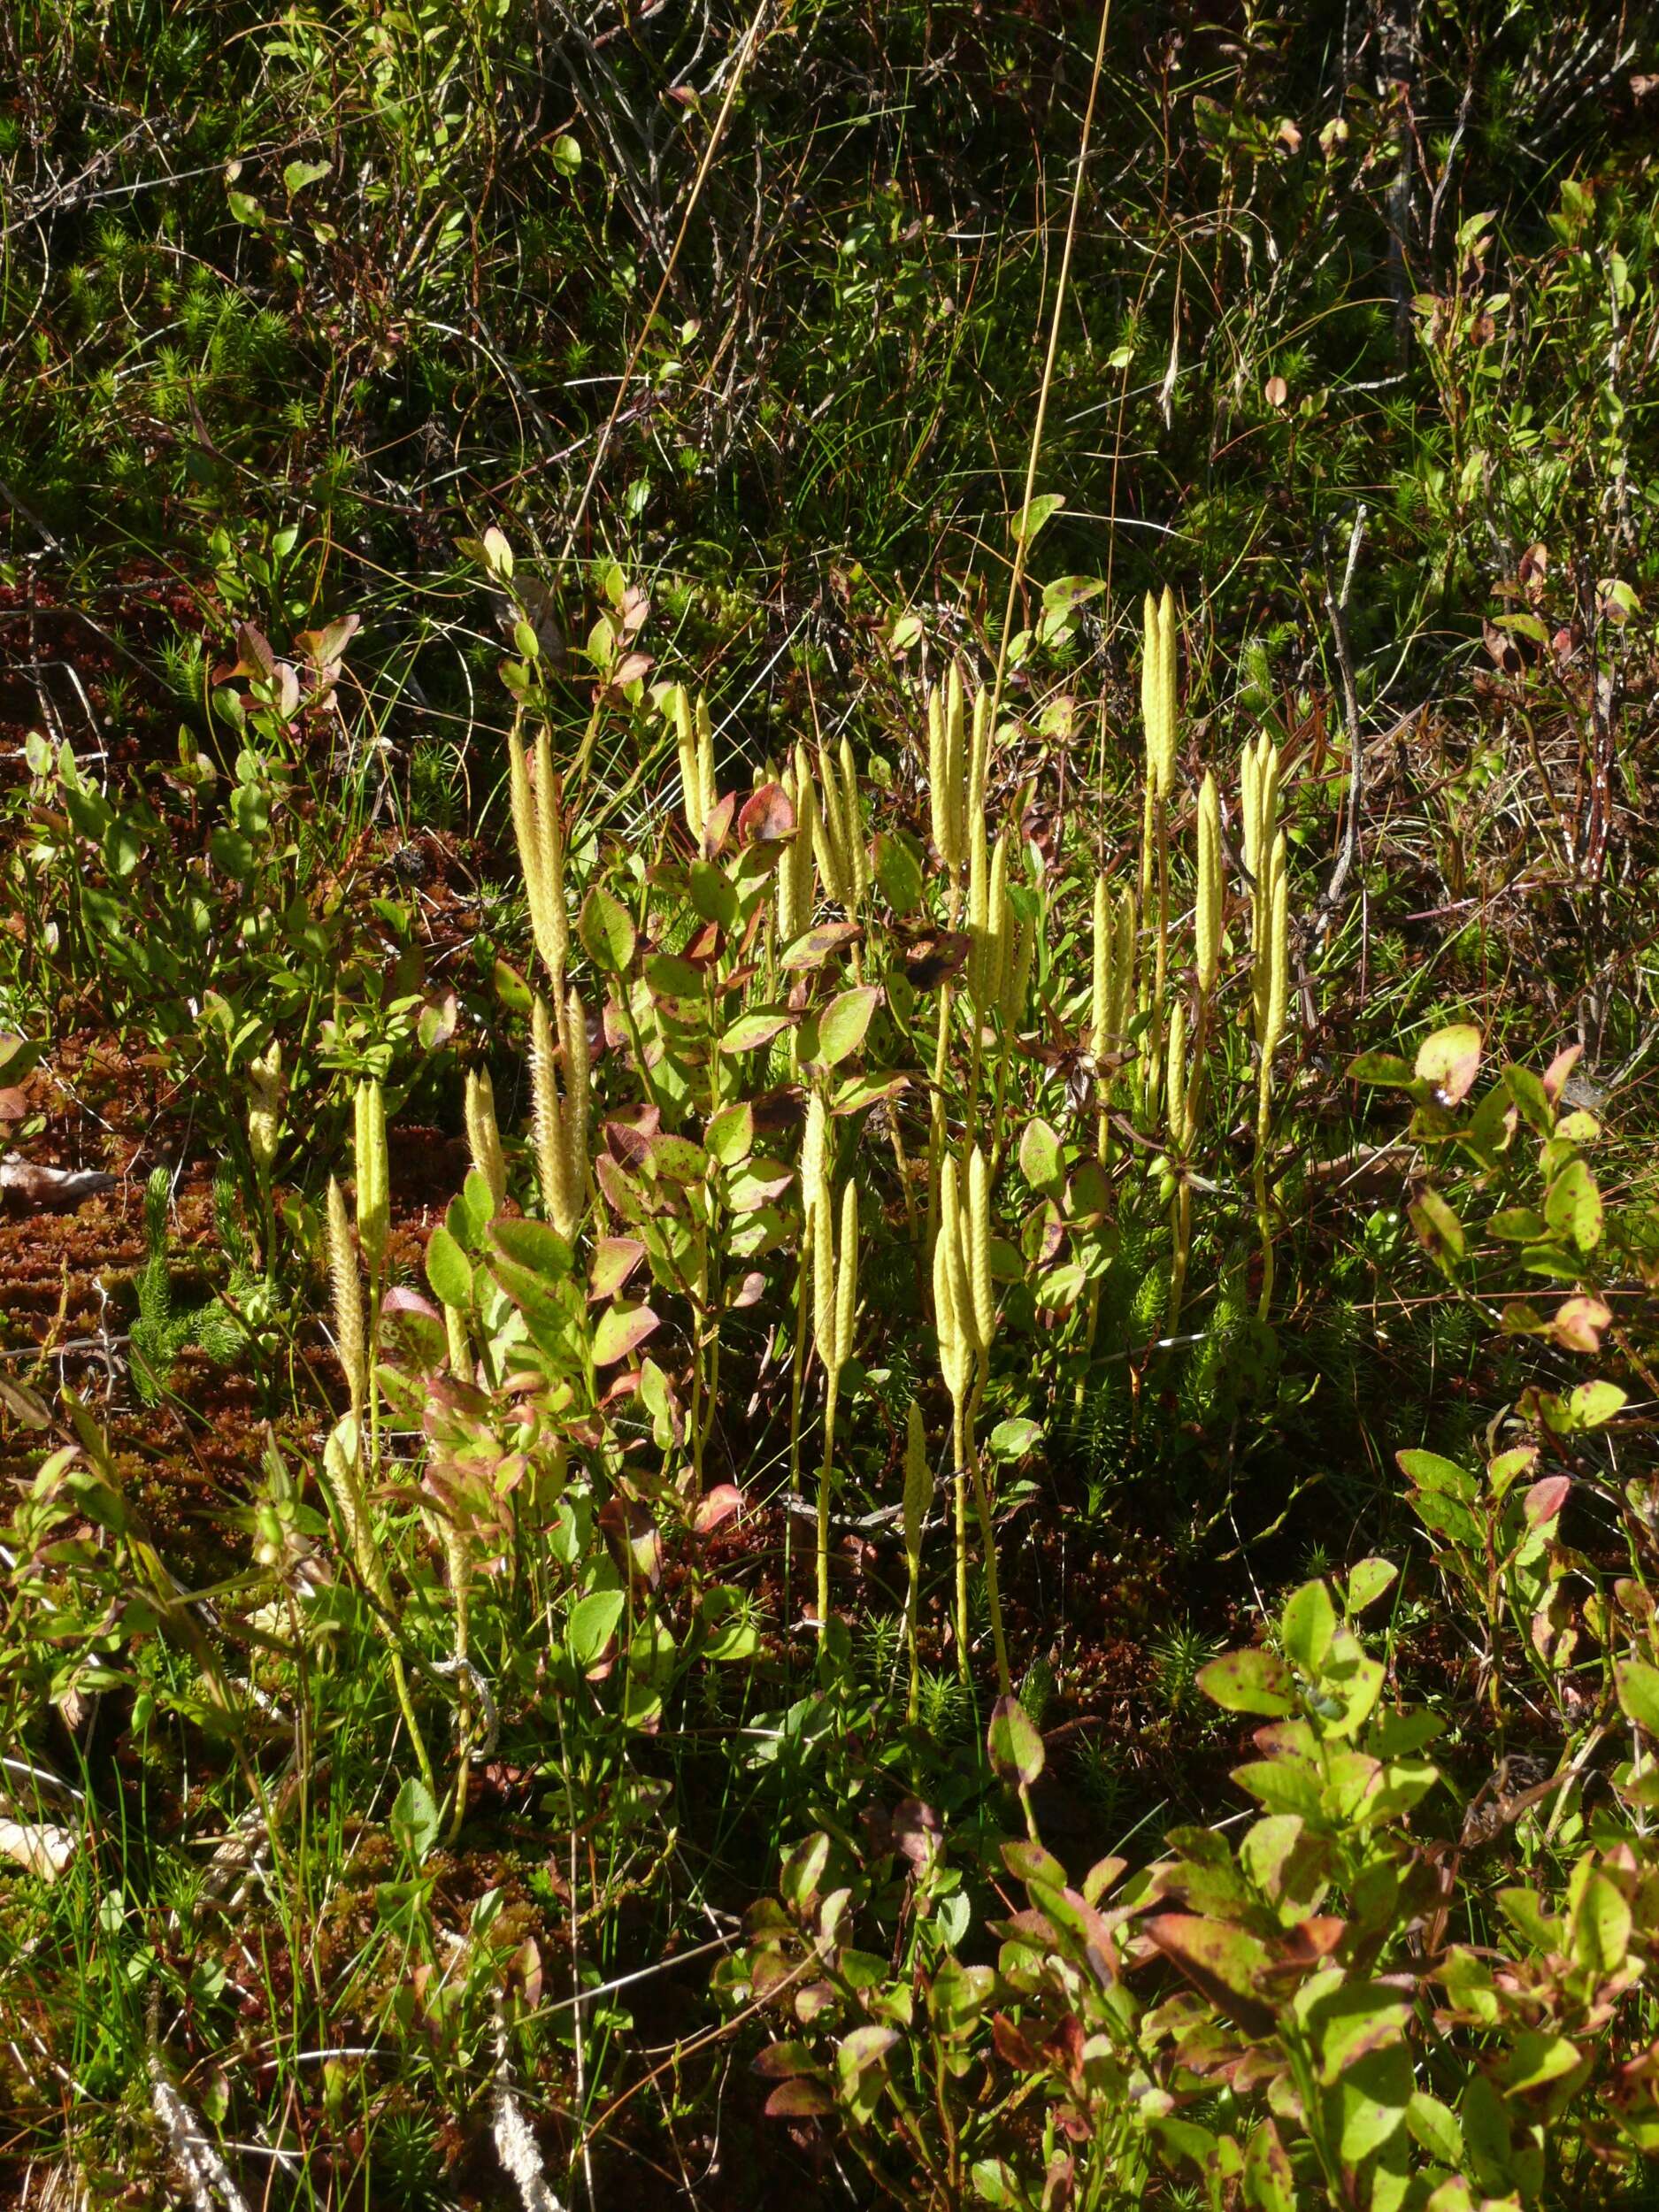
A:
x,y
988,1532
1272,996
834,1303
960,1458
460,1591
916,1491
936,1112
356,1351
964,1303
797,1391
825,1476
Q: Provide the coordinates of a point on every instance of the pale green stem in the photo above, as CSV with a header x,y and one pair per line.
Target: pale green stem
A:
x,y
833,1380
982,1498
961,1544
1264,1218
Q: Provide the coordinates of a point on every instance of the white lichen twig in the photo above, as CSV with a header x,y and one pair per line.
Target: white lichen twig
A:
x,y
195,2155
515,2145
490,1712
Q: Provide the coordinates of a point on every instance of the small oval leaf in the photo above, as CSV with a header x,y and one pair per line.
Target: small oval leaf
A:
x,y
1014,1743
1450,1060
607,932
843,1021
622,1329
1249,1681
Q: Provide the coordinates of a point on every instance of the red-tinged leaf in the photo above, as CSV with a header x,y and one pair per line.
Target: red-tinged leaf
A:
x,y
1450,1060
859,1091
677,1160
1011,2045
717,824
842,1023
753,863
1368,1581
1353,2022
730,1134
1638,1686
1312,1939
1221,1960
1573,1208
622,1194
918,1833
633,1536
438,1018
18,1057
1588,1407
801,1871
670,977
533,1263
1066,594
750,1031
615,1259
401,1299
1516,1225
1064,2047
1506,655
1249,1681
1579,1322
1544,1500
814,946
767,815
607,932
1508,1466
254,649
1045,1233
1521,1317
782,2062
717,1509
1269,2180
511,989
935,955
749,1292
802,2099
861,2048
1104,1876
756,1183
1559,1069
777,1111
24,1404
1031,1863
1439,1230
1429,1471
622,1329
1380,1067
1041,1159
1014,1743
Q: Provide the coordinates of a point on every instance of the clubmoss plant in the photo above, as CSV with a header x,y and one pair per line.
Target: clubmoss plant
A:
x,y
835,1308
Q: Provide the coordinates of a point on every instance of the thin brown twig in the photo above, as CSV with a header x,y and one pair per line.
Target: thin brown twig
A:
x,y
745,55
1336,609
1022,535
